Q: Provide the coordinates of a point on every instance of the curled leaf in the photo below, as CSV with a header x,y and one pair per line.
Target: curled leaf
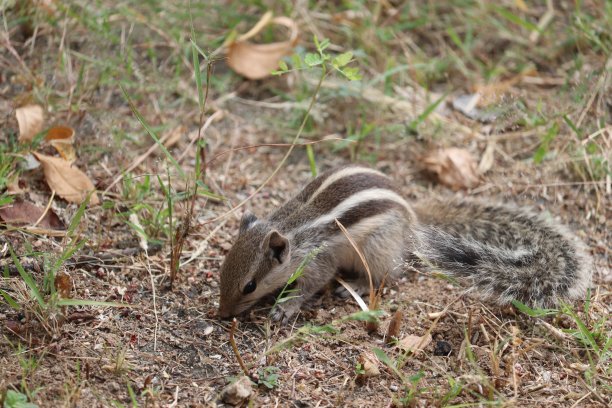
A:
x,y
67,181
453,167
62,139
257,61
30,119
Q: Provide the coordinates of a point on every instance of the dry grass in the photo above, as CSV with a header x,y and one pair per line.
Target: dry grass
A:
x,y
169,349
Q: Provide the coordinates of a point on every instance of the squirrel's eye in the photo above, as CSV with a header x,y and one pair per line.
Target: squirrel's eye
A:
x,y
250,287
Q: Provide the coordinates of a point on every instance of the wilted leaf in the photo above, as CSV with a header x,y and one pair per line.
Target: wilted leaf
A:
x,y
30,119
368,366
62,139
453,167
25,213
257,61
414,343
63,285
68,181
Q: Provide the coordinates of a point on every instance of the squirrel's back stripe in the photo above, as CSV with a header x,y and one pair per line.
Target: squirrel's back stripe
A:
x,y
354,201
340,174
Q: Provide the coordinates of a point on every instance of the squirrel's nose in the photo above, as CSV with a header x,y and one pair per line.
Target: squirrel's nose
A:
x,y
224,313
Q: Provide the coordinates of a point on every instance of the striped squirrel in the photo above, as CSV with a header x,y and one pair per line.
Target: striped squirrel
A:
x,y
502,251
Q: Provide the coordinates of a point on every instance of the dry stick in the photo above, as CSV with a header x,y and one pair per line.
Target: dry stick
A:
x,y
235,348
203,244
46,210
156,329
283,160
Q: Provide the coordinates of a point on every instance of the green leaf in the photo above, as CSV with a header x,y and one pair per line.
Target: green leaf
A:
x,y
342,59
283,65
312,59
513,18
552,132
351,73
11,302
533,312
14,399
27,278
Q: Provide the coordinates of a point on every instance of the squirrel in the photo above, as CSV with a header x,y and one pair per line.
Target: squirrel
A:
x,y
502,251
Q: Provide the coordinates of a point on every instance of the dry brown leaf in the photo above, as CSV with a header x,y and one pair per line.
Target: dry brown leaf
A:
x,y
453,167
63,284
30,119
238,391
67,181
257,61
369,365
26,213
414,343
62,139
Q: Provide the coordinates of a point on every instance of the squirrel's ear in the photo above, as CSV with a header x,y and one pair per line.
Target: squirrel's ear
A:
x,y
276,245
247,221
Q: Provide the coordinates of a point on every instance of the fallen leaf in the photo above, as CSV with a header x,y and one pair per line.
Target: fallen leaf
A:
x,y
238,391
29,162
453,167
30,119
67,181
414,343
368,365
62,139
63,285
26,213
257,61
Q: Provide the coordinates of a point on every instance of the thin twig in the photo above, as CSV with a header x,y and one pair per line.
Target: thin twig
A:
x,y
235,347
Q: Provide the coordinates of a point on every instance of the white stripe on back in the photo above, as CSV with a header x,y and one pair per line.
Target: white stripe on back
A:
x,y
346,172
373,194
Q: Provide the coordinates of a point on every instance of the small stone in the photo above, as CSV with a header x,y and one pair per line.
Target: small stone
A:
x,y
442,348
237,392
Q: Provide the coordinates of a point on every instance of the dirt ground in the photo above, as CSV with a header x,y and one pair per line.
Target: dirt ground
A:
x,y
168,348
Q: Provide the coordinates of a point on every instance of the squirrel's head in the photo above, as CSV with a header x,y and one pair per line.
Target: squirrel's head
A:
x,y
254,267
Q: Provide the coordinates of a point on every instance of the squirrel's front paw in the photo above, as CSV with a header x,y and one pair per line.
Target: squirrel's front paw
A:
x,y
282,312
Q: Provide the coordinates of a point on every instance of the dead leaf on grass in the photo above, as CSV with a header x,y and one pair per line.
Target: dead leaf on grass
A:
x,y
369,366
63,285
67,181
30,119
257,61
453,167
26,213
414,343
62,139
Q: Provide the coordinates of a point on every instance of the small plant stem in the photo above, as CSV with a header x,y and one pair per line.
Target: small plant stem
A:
x,y
235,347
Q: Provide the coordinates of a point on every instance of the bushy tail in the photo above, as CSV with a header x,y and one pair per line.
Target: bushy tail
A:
x,y
504,252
